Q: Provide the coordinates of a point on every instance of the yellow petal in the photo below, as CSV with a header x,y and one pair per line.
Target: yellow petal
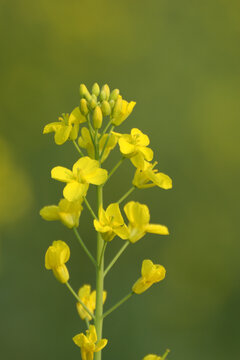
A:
x,y
113,213
142,139
62,134
98,177
54,126
137,213
140,286
160,179
157,229
101,344
85,165
69,220
126,147
152,357
76,117
92,334
101,228
138,160
79,339
147,267
122,232
61,273
50,212
74,191
61,173
147,153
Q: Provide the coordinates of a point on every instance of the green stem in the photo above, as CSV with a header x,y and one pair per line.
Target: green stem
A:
x,y
106,142
118,304
90,208
96,144
103,251
116,257
165,354
126,195
99,280
114,169
91,131
87,322
79,300
106,128
78,148
84,247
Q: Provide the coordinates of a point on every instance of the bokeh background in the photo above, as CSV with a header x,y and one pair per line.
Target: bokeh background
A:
x,y
180,61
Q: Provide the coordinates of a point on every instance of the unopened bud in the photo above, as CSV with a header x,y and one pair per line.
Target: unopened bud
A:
x,y
112,103
105,92
114,94
97,117
83,106
106,108
118,106
93,102
95,89
84,92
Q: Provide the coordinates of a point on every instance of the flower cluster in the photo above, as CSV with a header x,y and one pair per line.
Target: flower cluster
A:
x,y
94,141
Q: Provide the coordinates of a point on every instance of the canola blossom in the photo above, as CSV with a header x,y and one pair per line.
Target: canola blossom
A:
x,y
88,343
88,297
67,126
101,110
150,177
66,211
56,256
84,172
111,223
139,217
134,146
151,274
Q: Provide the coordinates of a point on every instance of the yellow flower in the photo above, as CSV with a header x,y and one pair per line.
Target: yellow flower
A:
x,y
151,274
149,177
139,217
67,212
121,110
84,172
88,343
89,299
56,256
134,146
152,357
111,223
85,142
67,127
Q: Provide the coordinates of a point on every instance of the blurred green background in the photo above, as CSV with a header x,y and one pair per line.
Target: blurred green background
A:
x,y
180,61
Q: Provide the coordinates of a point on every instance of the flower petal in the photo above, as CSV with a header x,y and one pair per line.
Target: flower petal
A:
x,y
61,173
50,213
101,344
62,134
157,229
74,191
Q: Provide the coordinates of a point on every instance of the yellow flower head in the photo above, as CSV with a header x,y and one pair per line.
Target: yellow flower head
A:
x,y
89,299
121,110
156,357
149,177
84,172
134,146
111,223
67,212
85,142
56,256
151,274
88,343
139,217
67,127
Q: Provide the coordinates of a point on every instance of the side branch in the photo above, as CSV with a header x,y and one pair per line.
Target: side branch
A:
x,y
84,247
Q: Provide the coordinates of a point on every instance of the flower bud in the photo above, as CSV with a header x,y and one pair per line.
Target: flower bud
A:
x,y
95,89
112,103
83,106
97,117
114,94
106,108
84,92
118,106
105,92
93,102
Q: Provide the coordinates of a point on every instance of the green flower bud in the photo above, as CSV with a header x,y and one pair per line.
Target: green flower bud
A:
x,y
97,117
106,108
114,94
105,92
118,106
112,103
95,89
93,102
84,92
83,106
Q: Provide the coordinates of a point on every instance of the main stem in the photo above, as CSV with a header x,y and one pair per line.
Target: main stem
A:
x,y
99,280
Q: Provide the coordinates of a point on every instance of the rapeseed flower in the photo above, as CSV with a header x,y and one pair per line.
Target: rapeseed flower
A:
x,y
67,127
152,357
139,217
151,273
121,110
111,223
56,256
67,212
149,177
84,172
89,299
88,343
85,142
134,146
